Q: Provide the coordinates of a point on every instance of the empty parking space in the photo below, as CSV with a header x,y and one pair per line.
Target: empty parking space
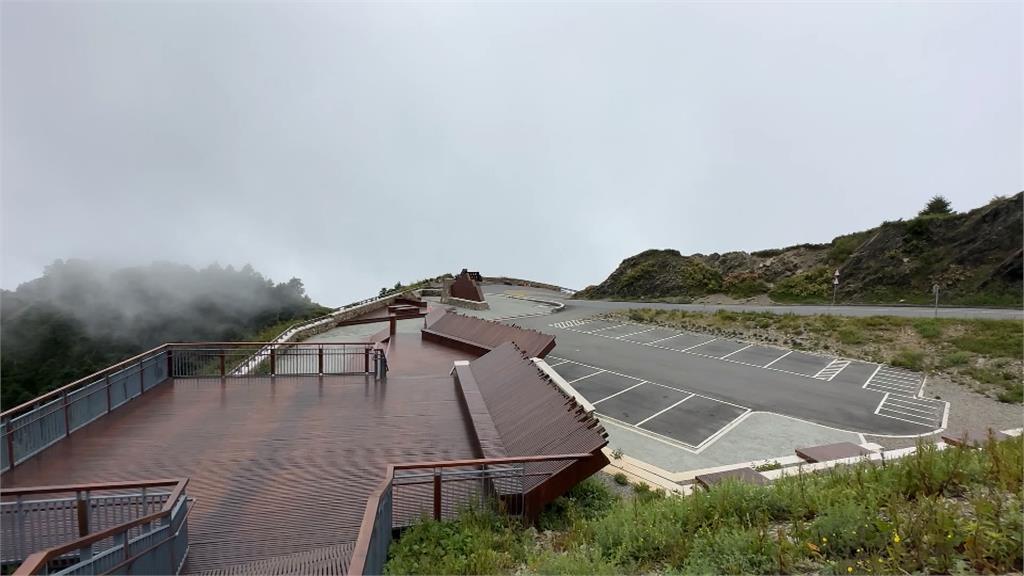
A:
x,y
598,326
650,335
694,421
640,403
601,386
856,374
895,381
720,348
757,355
620,331
847,394
921,411
682,341
801,363
572,371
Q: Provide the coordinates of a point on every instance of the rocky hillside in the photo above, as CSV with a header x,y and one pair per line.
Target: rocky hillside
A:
x,y
975,257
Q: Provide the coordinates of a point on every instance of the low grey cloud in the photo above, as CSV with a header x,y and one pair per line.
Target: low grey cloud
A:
x,y
355,145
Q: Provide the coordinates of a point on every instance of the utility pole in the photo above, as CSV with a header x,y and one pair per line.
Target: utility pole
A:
x,y
935,291
835,286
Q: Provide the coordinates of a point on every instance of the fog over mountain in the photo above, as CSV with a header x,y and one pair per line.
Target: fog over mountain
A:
x,y
81,316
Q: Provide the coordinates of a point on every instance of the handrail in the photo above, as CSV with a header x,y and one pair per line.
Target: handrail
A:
x,y
117,567
244,344
57,392
38,560
86,487
490,461
361,549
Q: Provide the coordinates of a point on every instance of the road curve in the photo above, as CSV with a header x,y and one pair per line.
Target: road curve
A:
x,y
871,310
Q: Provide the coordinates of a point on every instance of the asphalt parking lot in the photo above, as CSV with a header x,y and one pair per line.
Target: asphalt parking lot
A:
x,y
693,388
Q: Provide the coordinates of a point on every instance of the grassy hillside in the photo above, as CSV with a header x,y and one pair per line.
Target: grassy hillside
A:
x,y
975,258
985,355
79,318
954,511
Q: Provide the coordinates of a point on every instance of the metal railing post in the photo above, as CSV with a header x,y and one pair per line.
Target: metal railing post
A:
x,y
320,359
106,382
142,377
82,507
222,374
437,494
366,360
9,441
273,361
67,420
170,363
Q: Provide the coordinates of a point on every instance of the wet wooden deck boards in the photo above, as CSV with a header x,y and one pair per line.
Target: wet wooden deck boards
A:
x,y
278,466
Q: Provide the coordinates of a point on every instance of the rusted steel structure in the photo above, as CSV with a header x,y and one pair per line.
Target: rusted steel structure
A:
x,y
464,286
288,466
527,414
481,336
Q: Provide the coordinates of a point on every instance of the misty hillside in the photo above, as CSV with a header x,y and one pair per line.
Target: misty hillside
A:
x,y
80,317
975,258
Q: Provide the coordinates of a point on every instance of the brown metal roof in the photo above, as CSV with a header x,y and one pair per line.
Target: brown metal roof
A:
x,y
531,414
477,334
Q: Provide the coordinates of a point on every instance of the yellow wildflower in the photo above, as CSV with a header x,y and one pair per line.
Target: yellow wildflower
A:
x,y
895,537
849,569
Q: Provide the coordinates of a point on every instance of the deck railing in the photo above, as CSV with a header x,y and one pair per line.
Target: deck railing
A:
x,y
442,490
121,527
30,428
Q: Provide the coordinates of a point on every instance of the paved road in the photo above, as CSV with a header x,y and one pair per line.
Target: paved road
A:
x,y
595,306
842,402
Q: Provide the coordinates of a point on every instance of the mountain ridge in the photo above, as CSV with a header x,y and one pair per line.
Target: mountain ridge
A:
x,y
975,258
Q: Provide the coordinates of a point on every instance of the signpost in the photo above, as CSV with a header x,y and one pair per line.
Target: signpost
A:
x,y
935,291
835,286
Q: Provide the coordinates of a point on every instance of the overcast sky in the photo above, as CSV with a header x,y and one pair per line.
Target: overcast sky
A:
x,y
354,145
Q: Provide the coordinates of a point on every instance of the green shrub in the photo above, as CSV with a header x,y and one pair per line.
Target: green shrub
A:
x,y
850,335
586,500
811,286
733,551
621,479
952,359
581,560
928,328
1014,393
478,542
907,358
950,511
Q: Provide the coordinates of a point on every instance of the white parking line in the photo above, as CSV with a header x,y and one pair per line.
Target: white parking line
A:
x,y
740,350
587,376
606,328
695,345
663,339
660,412
893,406
559,363
619,392
868,381
829,372
635,333
777,359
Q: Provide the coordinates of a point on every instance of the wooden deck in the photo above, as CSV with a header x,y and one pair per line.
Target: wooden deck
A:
x,y
279,466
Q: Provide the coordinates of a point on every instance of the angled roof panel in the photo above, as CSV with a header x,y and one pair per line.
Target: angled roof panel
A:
x,y
484,335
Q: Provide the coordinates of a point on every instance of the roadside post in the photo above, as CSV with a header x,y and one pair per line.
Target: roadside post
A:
x,y
935,291
835,286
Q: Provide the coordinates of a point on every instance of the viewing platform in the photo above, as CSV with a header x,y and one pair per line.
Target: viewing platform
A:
x,y
298,457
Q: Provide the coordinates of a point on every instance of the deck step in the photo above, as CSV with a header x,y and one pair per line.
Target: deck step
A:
x,y
328,561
